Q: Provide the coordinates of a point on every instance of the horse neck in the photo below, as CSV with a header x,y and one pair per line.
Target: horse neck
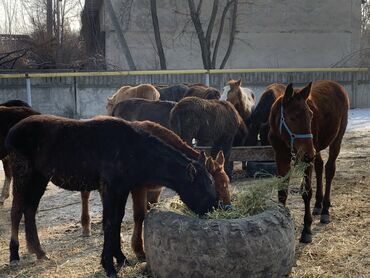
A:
x,y
168,166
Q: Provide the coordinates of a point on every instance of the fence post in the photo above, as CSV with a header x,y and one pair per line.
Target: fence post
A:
x,y
28,89
354,88
206,78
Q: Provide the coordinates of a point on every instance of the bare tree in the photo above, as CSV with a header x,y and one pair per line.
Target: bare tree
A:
x,y
209,59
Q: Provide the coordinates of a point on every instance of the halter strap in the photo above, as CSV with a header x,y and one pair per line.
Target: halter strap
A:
x,y
292,135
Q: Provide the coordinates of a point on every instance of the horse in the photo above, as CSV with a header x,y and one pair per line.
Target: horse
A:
x,y
303,122
241,98
258,122
136,109
145,91
150,193
12,117
173,92
203,92
73,161
212,122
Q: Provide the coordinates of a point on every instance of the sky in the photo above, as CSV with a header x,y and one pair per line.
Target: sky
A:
x,y
21,21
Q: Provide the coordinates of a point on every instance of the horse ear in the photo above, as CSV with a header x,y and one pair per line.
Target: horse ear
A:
x,y
288,93
239,82
202,158
305,92
191,172
210,165
220,158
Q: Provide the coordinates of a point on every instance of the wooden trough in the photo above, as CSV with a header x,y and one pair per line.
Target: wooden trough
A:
x,y
258,158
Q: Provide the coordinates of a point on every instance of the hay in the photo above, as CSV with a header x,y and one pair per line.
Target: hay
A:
x,y
259,195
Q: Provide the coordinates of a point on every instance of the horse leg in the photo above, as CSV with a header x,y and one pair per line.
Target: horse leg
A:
x,y
330,166
35,190
306,236
8,178
319,166
152,196
114,202
139,198
85,216
16,216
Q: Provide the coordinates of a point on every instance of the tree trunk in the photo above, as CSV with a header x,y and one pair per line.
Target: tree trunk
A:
x,y
120,35
206,55
157,34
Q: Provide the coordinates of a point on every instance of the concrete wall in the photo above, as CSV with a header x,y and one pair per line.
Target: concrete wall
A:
x,y
270,33
84,97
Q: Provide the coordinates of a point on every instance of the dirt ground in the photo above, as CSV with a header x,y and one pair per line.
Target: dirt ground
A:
x,y
339,249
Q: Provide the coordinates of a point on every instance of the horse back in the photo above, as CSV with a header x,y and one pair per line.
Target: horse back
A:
x,y
329,102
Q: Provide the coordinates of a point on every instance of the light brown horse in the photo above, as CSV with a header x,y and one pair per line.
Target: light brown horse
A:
x,y
145,91
145,194
241,98
303,122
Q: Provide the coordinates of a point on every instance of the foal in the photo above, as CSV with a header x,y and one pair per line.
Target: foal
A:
x,y
120,158
304,122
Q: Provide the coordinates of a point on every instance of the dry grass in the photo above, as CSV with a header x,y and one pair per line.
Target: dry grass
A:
x,y
339,249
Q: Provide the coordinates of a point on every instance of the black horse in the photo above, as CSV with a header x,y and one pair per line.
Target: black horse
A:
x,y
103,153
173,92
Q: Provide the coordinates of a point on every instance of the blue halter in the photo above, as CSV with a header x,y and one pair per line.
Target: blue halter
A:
x,y
292,135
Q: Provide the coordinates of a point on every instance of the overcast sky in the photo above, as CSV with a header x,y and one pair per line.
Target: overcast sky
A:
x,y
21,22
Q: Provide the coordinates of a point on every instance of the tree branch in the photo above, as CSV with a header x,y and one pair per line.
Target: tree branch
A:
x,y
220,31
232,35
211,23
157,34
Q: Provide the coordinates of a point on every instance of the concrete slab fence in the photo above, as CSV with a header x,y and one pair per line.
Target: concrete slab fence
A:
x,y
85,96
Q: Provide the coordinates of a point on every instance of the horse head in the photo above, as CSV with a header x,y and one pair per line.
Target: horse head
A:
x,y
201,198
293,118
222,182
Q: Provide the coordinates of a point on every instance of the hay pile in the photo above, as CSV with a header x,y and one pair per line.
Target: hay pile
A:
x,y
257,197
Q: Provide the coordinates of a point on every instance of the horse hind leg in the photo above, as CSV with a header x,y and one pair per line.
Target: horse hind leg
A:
x,y
319,166
139,198
153,196
36,189
16,216
114,202
330,167
85,216
8,178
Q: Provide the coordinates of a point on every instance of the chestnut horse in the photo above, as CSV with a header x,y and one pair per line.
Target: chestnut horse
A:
x,y
303,122
38,154
10,117
258,122
145,91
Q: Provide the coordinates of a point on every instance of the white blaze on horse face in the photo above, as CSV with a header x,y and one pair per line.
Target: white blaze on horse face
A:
x,y
224,92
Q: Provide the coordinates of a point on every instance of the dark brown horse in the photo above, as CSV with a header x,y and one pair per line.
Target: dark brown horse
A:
x,y
258,122
173,92
203,92
304,122
212,122
118,159
135,109
10,117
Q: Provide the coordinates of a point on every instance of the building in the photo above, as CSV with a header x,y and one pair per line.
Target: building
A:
x,y
269,33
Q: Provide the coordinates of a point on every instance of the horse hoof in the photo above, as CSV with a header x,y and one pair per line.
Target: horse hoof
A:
x,y
86,233
316,211
141,258
14,263
325,218
306,238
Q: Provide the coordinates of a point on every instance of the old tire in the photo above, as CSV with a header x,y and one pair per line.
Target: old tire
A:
x,y
258,246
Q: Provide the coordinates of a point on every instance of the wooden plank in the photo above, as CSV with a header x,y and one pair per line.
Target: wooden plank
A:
x,y
255,153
